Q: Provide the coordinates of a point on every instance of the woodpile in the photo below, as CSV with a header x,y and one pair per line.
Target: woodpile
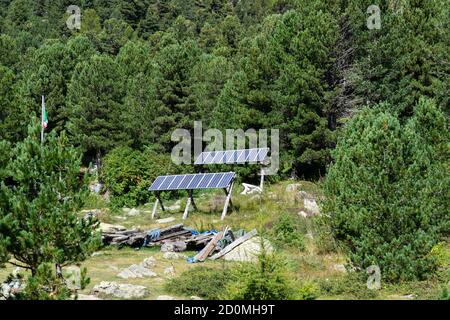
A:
x,y
212,245
156,237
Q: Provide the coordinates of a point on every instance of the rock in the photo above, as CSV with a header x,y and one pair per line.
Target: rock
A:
x,y
11,288
95,187
16,272
311,207
303,214
87,297
339,268
177,246
134,212
173,255
126,210
195,298
249,250
106,227
126,274
166,220
125,291
165,298
97,253
136,271
292,187
149,262
175,207
91,213
170,271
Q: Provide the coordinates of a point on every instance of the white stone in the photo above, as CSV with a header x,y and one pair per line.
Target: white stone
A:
x,y
106,227
339,268
134,212
249,250
165,220
165,298
292,187
125,291
136,271
149,262
87,297
170,271
311,206
173,255
195,298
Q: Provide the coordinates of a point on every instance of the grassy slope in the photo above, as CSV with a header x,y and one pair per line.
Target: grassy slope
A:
x,y
261,213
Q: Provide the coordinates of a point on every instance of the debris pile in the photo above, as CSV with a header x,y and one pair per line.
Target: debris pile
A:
x,y
173,238
234,246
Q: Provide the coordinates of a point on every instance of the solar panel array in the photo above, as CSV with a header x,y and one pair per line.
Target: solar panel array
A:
x,y
193,181
233,156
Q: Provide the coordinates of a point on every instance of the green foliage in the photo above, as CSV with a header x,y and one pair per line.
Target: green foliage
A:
x,y
40,197
308,291
445,295
287,230
128,174
201,281
266,280
354,285
386,193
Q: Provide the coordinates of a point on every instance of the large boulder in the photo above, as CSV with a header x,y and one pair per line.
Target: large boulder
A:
x,y
249,250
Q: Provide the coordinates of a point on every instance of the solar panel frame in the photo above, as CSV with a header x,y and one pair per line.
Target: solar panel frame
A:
x,y
240,156
193,181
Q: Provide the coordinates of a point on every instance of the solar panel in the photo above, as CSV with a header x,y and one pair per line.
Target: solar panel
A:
x,y
193,181
233,156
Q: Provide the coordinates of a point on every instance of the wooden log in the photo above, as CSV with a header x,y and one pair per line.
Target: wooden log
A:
x,y
202,255
234,244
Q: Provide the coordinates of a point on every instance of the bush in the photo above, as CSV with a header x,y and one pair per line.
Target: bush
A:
x,y
128,174
266,280
387,192
288,231
308,291
200,281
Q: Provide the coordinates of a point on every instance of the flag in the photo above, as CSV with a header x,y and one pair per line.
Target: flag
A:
x,y
44,115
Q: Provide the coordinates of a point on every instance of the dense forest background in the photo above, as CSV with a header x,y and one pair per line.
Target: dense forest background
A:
x,y
138,69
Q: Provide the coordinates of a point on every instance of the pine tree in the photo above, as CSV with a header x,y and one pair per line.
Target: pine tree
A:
x,y
387,191
95,95
40,197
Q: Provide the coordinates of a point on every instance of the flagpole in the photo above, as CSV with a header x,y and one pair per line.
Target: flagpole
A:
x,y
42,119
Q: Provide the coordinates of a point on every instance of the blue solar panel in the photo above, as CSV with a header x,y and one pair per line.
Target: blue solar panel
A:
x,y
233,156
193,181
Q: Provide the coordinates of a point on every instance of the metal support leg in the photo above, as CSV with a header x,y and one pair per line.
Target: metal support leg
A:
x,y
227,201
186,210
155,207
261,185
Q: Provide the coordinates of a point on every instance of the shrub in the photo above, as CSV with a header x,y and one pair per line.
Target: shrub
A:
x,y
288,231
387,192
266,280
308,291
128,173
200,281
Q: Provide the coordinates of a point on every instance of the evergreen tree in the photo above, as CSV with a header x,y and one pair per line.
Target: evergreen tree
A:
x,y
387,192
40,196
95,95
